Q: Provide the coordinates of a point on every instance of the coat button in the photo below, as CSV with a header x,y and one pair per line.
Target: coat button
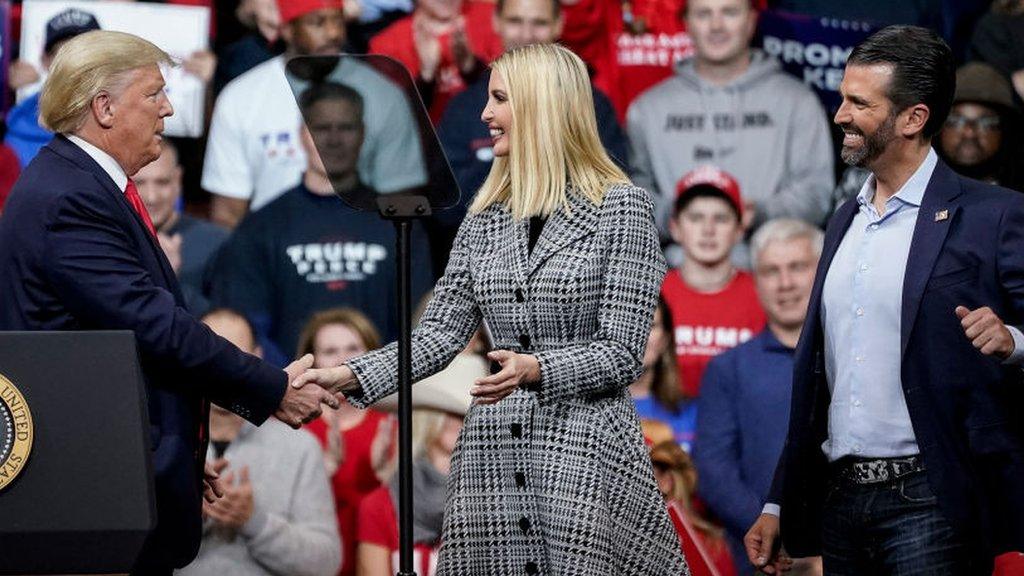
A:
x,y
524,341
517,430
521,479
531,568
524,524
520,297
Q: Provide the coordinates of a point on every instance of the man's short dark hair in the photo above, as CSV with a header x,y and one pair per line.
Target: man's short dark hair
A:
x,y
702,191
924,71
330,91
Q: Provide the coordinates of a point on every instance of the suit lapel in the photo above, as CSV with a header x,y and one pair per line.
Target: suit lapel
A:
x,y
563,228
833,238
807,348
937,213
68,149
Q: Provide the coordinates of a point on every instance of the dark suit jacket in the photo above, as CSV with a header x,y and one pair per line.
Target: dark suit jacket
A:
x,y
74,255
960,401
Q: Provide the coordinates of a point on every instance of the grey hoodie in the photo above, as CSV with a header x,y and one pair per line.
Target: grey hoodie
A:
x,y
765,128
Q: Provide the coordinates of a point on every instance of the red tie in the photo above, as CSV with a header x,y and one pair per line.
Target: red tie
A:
x,y
132,194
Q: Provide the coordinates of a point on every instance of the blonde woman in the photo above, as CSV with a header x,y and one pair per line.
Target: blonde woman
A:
x,y
559,255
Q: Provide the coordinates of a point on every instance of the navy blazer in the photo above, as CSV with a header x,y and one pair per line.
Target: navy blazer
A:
x,y
967,249
74,255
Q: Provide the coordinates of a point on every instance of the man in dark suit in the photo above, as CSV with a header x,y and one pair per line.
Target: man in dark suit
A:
x,y
901,456
79,252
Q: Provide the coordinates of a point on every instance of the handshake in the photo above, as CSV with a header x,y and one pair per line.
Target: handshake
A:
x,y
309,388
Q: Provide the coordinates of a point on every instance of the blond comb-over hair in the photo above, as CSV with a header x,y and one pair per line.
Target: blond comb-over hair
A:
x,y
88,64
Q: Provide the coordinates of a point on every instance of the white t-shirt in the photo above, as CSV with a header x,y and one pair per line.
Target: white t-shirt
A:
x,y
254,151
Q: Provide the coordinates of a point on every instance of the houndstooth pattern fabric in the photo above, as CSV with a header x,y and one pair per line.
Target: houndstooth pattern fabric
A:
x,y
554,480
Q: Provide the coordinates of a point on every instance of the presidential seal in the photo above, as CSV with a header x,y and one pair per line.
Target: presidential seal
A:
x,y
15,432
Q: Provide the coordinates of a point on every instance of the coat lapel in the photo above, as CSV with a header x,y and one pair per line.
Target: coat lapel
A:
x,y
562,229
516,236
934,219
68,149
808,348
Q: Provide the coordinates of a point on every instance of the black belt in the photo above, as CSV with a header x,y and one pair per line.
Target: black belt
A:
x,y
877,470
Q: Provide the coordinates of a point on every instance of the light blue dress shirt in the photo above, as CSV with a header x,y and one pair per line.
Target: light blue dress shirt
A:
x,y
861,310
861,307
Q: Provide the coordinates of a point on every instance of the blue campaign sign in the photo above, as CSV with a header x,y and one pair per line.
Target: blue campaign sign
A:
x,y
813,49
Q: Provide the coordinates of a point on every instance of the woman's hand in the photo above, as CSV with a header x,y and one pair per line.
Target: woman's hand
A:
x,y
334,380
516,370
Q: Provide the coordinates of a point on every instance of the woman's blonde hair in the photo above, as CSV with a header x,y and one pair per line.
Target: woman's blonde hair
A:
x,y
86,65
674,461
553,141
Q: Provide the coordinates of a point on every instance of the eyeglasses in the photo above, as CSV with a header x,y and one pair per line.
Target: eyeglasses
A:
x,y
983,124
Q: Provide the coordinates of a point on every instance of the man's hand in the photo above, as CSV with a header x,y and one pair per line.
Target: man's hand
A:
x,y
334,380
462,51
20,74
201,64
986,331
300,404
428,47
762,544
213,487
236,507
516,370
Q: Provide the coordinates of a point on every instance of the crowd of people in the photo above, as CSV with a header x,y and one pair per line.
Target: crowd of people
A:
x,y
736,153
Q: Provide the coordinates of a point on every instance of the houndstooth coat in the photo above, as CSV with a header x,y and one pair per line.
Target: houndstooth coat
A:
x,y
554,479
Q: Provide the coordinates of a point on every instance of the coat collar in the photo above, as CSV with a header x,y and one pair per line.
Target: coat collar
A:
x,y
67,149
939,210
563,227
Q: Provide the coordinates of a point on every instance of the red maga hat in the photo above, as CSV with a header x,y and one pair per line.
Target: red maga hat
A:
x,y
292,9
714,177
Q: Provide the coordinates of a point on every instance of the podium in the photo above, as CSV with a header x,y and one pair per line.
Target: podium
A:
x,y
82,501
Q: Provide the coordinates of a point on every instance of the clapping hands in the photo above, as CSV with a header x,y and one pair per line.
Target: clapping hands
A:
x,y
235,506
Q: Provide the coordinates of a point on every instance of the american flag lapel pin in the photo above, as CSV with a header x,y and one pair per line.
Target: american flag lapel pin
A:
x,y
941,215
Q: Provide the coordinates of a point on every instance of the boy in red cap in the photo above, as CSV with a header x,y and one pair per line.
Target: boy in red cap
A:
x,y
714,305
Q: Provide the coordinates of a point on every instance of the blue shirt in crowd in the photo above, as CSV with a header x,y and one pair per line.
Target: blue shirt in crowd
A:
x,y
742,421
24,134
682,423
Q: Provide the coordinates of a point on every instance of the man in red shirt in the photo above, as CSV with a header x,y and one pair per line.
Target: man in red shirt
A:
x,y
714,304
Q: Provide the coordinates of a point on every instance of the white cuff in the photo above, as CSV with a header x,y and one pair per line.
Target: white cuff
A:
x,y
773,509
1016,358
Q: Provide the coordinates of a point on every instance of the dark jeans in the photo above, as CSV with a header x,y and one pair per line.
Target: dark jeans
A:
x,y
890,528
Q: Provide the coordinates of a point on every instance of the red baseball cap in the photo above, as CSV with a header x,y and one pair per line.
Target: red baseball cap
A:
x,y
715,178
292,9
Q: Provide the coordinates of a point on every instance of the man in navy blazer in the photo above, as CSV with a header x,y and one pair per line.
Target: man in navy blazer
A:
x,y
902,456
78,252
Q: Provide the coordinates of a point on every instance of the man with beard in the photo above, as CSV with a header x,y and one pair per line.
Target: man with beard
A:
x,y
979,139
901,456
